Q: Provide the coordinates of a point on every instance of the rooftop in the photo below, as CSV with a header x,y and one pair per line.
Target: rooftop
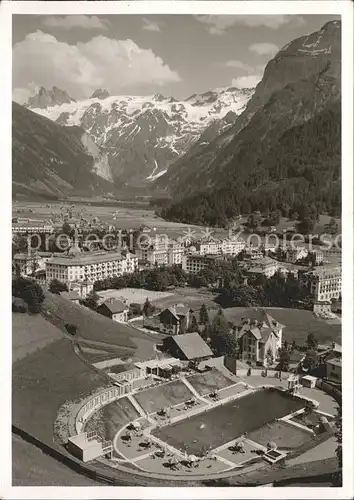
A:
x,y
70,295
115,306
192,345
334,361
325,271
177,310
81,441
86,258
310,378
261,317
153,363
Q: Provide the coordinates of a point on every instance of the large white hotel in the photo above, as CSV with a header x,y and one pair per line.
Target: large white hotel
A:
x,y
91,266
161,251
218,247
324,282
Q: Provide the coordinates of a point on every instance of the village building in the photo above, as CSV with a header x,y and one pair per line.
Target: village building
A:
x,y
189,347
125,372
89,266
317,257
27,263
259,334
158,367
334,369
194,263
161,251
253,253
324,283
83,288
32,228
116,310
264,266
175,319
293,254
88,446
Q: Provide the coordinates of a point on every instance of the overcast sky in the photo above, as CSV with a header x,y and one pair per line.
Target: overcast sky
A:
x,y
176,55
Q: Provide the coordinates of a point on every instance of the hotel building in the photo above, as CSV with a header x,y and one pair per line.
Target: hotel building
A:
x,y
91,266
218,247
162,252
324,283
194,263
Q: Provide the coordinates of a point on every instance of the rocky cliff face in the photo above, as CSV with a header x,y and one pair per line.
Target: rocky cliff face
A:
x,y
52,160
298,83
144,135
47,98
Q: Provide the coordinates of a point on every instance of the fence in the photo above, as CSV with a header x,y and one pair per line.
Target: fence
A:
x,y
330,390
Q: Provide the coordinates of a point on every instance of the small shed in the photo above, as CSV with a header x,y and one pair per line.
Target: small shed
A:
x,y
308,381
87,446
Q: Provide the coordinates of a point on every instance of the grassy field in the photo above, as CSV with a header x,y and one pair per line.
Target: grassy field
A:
x,y
43,381
205,383
163,396
190,297
30,333
133,295
94,327
298,324
284,435
31,467
109,419
98,355
227,422
121,217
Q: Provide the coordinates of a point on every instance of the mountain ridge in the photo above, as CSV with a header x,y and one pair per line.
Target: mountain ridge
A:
x,y
52,160
144,135
299,83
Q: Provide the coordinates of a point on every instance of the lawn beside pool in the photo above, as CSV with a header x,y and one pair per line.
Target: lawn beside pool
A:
x,y
284,435
163,396
227,422
205,383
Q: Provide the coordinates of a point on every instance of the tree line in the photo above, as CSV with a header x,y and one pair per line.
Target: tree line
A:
x,y
302,168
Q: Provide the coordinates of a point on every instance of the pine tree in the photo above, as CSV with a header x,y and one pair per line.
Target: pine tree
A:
x,y
203,315
311,342
148,308
193,325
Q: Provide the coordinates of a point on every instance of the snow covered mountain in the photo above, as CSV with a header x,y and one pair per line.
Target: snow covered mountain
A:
x,y
144,135
44,98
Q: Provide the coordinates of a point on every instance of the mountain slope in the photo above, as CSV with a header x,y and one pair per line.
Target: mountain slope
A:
x,y
302,168
144,135
235,163
52,160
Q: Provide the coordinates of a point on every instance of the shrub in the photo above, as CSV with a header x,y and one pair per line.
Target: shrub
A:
x,y
70,328
56,286
29,291
19,305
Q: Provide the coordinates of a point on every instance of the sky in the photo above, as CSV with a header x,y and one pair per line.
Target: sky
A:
x,y
175,55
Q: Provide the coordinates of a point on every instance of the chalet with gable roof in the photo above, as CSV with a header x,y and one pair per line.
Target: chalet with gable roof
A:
x,y
175,319
258,334
187,347
116,310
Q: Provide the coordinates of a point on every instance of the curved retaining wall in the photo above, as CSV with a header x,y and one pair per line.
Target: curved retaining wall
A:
x,y
94,404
